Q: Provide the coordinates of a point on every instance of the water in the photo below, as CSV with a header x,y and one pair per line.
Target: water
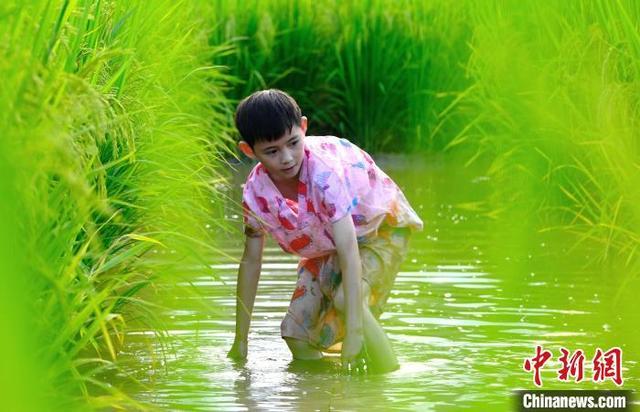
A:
x,y
473,299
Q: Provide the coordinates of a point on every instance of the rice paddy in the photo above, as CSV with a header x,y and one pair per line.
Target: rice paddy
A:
x,y
117,178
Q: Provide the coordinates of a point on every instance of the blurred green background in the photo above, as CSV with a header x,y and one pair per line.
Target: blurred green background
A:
x,y
117,135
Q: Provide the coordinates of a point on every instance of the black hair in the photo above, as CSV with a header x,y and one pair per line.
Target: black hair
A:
x,y
266,115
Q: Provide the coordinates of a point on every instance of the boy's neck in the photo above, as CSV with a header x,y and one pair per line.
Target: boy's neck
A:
x,y
288,188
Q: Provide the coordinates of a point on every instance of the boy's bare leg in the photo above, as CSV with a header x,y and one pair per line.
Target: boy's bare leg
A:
x,y
379,347
302,350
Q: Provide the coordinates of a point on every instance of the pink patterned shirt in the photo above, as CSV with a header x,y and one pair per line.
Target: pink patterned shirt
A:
x,y
336,178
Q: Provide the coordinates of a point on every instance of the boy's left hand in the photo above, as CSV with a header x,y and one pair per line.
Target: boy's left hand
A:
x,y
353,359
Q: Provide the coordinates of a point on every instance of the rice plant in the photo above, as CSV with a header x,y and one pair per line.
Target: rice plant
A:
x,y
111,124
556,92
380,73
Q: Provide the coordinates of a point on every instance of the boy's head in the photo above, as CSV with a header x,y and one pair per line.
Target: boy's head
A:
x,y
266,115
272,127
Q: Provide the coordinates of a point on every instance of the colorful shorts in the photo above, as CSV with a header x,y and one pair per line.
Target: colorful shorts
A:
x,y
312,316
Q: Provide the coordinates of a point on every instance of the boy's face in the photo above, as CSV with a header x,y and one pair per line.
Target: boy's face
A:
x,y
282,157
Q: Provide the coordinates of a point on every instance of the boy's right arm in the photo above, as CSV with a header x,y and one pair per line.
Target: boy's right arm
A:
x,y
248,275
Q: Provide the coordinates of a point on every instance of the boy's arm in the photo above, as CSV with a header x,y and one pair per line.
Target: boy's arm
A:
x,y
248,275
344,234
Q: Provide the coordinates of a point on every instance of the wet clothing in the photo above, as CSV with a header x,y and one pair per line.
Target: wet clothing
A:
x,y
336,178
312,316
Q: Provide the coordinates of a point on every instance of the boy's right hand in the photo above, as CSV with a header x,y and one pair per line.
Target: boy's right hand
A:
x,y
238,350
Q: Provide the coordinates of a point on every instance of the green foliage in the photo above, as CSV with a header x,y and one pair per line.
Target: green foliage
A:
x,y
556,91
379,72
110,127
115,116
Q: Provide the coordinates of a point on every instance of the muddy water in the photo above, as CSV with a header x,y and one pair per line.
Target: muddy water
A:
x,y
473,299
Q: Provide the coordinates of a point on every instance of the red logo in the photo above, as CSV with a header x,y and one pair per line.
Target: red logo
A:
x,y
536,363
606,365
571,366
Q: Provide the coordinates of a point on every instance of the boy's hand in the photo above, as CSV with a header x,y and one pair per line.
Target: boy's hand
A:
x,y
354,354
238,350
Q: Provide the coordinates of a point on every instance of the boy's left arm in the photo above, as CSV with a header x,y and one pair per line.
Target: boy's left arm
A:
x,y
344,234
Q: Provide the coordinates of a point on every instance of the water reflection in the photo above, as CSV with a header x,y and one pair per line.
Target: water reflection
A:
x,y
466,310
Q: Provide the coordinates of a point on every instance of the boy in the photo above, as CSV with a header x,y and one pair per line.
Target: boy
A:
x,y
324,199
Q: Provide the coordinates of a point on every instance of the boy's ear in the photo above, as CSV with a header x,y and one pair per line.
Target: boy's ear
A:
x,y
246,149
304,122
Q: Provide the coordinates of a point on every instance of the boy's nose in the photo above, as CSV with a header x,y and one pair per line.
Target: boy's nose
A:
x,y
287,157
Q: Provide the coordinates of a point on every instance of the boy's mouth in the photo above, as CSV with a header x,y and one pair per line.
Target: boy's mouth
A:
x,y
289,169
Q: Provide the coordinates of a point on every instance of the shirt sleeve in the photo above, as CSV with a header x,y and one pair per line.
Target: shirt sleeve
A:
x,y
335,199
252,227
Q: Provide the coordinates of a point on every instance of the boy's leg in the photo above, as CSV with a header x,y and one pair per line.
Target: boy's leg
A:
x,y
302,350
381,259
304,309
378,345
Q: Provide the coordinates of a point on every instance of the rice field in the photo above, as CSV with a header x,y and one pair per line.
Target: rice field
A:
x,y
117,134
